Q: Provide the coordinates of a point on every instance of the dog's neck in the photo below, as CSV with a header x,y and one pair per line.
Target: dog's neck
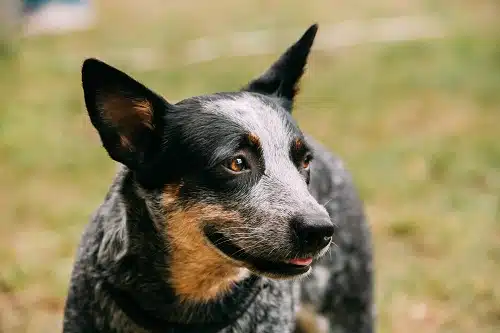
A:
x,y
133,264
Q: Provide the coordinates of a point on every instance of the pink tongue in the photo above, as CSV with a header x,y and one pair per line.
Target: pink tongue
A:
x,y
302,262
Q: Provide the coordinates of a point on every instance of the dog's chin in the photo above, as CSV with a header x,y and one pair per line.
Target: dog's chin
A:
x,y
258,265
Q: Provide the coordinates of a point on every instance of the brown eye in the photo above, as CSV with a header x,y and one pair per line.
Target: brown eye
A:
x,y
236,164
307,161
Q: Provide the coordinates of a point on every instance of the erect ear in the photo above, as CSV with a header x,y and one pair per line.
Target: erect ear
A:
x,y
127,115
283,77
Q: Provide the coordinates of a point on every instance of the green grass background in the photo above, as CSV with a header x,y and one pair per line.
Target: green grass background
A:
x,y
418,124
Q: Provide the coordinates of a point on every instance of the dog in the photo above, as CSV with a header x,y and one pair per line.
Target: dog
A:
x,y
223,216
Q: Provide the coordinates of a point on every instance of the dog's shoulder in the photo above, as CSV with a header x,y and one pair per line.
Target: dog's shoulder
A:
x,y
340,285
333,186
101,239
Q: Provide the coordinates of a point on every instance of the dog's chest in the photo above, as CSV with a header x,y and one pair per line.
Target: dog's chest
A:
x,y
273,311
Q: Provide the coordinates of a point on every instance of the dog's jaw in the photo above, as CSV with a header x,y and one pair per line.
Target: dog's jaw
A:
x,y
273,269
197,272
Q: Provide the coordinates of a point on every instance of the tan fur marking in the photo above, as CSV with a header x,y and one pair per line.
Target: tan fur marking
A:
x,y
144,110
298,143
125,143
306,321
198,272
127,114
254,139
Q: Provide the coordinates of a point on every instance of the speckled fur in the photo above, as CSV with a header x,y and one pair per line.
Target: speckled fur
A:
x,y
339,287
124,246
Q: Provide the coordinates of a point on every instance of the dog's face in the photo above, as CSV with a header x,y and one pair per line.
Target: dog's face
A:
x,y
228,172
250,161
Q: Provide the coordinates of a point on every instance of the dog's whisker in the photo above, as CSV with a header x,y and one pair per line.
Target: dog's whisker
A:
x,y
253,248
274,248
328,201
236,239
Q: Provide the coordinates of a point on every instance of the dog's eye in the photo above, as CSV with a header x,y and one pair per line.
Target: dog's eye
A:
x,y
237,164
307,161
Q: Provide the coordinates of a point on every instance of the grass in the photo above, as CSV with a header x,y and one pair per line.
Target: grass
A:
x,y
416,122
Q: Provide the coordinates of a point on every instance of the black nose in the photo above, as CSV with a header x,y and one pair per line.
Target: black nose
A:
x,y
313,233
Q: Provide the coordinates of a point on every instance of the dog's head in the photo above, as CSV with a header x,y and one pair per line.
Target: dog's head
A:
x,y
228,172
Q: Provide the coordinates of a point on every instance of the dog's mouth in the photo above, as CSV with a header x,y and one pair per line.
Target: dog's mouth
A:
x,y
276,269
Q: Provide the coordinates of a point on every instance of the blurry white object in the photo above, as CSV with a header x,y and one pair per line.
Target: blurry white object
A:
x,y
55,17
335,36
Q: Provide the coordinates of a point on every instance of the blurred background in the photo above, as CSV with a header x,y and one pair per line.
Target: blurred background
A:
x,y
406,91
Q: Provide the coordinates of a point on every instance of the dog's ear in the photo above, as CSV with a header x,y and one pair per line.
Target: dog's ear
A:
x,y
283,77
127,115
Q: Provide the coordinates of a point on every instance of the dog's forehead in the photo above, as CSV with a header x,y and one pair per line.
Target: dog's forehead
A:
x,y
259,115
